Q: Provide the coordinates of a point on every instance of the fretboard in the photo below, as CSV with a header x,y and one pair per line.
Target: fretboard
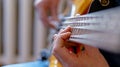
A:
x,y
97,28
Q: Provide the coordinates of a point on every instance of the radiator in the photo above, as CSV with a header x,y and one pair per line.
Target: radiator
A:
x,y
21,38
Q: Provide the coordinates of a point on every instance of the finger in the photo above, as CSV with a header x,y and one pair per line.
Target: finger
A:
x,y
60,31
51,25
65,36
67,43
60,40
44,18
43,15
42,11
60,51
54,37
67,29
54,9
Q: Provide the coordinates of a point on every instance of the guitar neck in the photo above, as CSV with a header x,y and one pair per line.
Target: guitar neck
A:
x,y
96,29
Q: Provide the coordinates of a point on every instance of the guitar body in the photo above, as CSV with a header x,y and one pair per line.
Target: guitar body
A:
x,y
82,6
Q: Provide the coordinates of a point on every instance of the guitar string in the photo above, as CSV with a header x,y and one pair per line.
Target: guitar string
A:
x,y
80,21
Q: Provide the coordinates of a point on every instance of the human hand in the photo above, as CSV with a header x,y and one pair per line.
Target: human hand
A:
x,y
45,7
89,57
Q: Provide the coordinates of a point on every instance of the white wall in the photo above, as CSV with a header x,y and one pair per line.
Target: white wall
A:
x,y
22,30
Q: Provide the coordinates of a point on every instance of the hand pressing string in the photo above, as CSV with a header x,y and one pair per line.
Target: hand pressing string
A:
x,y
47,11
87,57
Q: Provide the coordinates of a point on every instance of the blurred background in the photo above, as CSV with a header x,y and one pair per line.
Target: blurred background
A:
x,y
22,36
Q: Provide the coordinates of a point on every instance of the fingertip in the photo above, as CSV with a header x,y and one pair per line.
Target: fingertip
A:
x,y
66,35
54,36
68,28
